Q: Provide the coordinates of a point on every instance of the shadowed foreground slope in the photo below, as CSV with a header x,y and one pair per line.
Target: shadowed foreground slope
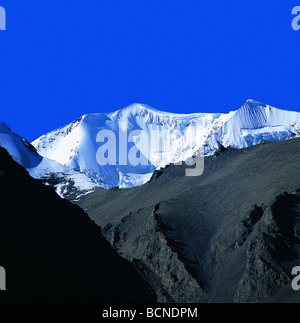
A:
x,y
52,251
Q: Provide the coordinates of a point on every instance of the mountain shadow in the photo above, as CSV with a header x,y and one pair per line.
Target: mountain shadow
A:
x,y
53,252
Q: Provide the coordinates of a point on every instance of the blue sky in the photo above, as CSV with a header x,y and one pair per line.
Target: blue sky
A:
x,y
61,59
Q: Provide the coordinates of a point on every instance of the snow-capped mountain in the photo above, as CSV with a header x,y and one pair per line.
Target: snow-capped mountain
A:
x,y
160,137
62,177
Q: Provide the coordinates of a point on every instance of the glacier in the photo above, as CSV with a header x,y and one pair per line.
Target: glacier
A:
x,y
167,138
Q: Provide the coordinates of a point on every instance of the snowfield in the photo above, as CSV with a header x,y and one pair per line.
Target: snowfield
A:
x,y
167,138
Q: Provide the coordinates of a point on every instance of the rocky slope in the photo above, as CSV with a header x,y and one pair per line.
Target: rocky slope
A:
x,y
230,235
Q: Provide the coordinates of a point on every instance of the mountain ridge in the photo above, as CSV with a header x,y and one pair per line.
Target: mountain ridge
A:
x,y
168,138
52,251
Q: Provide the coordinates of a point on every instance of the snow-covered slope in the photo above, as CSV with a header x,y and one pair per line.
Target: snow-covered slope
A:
x,y
19,148
161,138
253,123
63,178
162,142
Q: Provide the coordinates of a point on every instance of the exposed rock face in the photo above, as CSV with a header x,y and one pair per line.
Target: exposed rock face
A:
x,y
152,255
245,227
271,250
269,236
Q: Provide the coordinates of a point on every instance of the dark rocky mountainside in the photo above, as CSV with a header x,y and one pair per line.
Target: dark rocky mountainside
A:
x,y
52,251
230,235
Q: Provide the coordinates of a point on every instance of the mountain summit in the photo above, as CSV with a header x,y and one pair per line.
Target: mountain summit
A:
x,y
167,138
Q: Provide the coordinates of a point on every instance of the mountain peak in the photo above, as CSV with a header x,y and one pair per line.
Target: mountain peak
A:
x,y
139,109
252,104
252,114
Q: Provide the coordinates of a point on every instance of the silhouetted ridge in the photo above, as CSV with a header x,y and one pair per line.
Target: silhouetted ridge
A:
x,y
52,251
